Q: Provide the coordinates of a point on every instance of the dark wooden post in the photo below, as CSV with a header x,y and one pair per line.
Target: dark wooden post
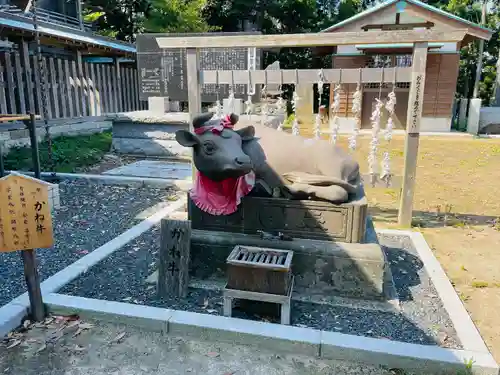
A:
x,y
31,124
173,270
33,285
28,75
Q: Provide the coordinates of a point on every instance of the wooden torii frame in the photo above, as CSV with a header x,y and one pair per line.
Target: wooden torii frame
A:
x,y
415,75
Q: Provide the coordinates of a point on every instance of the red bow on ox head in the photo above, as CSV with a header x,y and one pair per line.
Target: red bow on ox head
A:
x,y
225,123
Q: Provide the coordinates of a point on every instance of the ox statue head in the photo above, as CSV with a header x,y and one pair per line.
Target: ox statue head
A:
x,y
217,148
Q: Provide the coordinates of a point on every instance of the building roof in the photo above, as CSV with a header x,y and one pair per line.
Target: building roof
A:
x,y
67,34
401,4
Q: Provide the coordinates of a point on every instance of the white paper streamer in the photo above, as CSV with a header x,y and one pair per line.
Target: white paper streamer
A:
x,y
334,119
356,110
281,108
318,121
295,123
372,156
386,174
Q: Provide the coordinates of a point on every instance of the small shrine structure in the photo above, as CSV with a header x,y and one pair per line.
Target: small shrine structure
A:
x,y
442,61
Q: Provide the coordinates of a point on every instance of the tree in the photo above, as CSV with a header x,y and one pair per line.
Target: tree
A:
x,y
120,19
176,16
471,10
124,19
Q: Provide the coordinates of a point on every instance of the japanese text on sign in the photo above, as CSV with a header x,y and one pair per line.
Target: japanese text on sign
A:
x,y
416,103
25,217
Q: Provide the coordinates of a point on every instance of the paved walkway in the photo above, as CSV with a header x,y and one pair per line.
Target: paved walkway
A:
x,y
118,350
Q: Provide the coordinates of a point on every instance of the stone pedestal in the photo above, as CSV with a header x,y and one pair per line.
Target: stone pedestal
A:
x,y
158,105
474,115
145,134
54,198
320,268
299,219
236,108
462,113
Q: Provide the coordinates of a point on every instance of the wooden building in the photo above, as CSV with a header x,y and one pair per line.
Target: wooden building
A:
x,y
87,74
442,62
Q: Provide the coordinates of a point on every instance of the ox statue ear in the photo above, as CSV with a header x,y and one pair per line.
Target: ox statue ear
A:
x,y
186,138
233,117
247,133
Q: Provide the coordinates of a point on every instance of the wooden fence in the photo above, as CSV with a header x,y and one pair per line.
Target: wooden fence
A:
x,y
72,90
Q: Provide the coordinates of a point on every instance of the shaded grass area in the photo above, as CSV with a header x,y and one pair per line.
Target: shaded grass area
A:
x,y
68,153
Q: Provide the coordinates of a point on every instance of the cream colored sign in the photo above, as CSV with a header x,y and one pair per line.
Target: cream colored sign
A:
x,y
25,215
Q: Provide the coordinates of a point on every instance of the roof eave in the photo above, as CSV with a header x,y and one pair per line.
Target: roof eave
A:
x,y
15,22
477,30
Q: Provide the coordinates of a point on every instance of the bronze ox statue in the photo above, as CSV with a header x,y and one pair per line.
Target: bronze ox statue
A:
x,y
285,165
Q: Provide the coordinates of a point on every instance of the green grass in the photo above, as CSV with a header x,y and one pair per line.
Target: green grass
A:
x,y
68,153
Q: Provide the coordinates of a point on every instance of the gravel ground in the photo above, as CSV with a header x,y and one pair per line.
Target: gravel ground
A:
x,y
90,215
422,320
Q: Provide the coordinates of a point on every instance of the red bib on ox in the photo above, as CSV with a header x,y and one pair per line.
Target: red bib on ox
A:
x,y
220,197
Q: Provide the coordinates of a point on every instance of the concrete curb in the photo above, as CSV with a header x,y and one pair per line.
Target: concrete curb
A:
x,y
276,337
12,313
117,180
464,326
11,316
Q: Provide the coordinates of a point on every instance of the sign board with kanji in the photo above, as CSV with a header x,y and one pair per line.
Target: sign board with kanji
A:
x,y
25,214
163,72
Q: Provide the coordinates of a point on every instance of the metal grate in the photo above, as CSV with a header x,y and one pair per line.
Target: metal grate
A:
x,y
260,257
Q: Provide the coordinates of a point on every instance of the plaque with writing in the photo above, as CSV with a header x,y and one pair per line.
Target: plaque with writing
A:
x,y
25,215
416,100
171,81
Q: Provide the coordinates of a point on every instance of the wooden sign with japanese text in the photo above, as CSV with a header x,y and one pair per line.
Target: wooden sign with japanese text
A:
x,y
25,214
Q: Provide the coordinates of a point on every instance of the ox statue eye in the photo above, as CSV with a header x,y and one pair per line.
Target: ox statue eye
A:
x,y
209,147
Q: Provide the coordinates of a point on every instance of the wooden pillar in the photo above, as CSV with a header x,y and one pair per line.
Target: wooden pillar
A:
x,y
415,104
193,89
119,97
305,108
81,89
79,14
28,75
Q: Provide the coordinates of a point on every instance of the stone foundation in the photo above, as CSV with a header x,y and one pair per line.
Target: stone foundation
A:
x,y
54,198
148,134
299,219
321,268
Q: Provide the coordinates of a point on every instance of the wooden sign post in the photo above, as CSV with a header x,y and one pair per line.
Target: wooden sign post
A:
x,y
26,224
173,270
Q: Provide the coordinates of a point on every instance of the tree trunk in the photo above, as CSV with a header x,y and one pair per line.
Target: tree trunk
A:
x,y
496,88
479,66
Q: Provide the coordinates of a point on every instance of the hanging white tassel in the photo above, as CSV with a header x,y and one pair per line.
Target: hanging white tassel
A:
x,y
218,109
334,119
356,111
295,103
249,105
386,174
281,109
319,120
230,102
372,156
390,106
